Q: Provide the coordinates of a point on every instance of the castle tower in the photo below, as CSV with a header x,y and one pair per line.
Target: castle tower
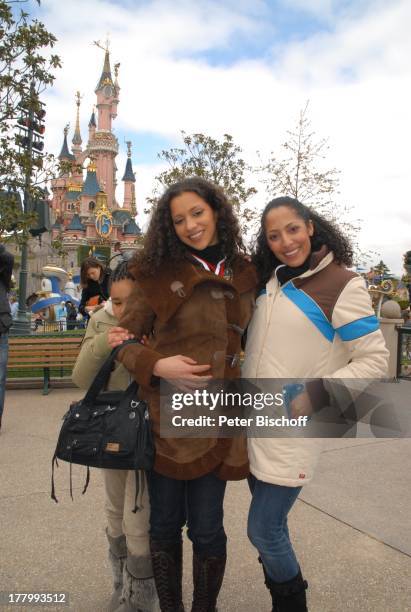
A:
x,y
77,142
90,190
65,157
60,183
129,180
79,221
103,145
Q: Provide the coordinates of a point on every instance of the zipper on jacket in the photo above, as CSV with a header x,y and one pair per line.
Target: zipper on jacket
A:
x,y
271,296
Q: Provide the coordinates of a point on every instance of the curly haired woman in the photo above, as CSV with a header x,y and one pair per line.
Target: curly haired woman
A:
x,y
193,297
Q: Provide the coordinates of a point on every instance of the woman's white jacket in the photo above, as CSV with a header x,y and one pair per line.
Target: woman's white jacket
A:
x,y
318,325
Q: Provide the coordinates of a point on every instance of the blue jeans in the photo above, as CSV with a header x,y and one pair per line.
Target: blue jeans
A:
x,y
4,352
197,503
268,528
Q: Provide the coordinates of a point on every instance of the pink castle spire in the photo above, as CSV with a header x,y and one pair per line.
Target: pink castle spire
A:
x,y
103,145
77,142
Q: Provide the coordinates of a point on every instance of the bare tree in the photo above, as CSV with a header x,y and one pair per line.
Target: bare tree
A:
x,y
299,171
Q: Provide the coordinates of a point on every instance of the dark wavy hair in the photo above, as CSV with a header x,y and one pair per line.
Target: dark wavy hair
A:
x,y
161,243
325,233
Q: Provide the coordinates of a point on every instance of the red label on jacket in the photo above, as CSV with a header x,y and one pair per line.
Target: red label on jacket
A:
x,y
301,476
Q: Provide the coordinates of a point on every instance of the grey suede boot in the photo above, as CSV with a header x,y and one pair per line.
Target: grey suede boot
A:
x,y
139,590
117,554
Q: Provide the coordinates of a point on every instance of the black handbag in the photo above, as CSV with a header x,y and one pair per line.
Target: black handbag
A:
x,y
107,429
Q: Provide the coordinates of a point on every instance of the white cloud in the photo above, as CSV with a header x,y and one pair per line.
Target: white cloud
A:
x,y
329,10
356,76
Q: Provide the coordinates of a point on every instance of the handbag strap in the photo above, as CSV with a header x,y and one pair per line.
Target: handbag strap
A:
x,y
102,375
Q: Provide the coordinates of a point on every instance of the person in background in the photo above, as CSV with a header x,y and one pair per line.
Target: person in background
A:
x,y
14,306
71,311
61,316
6,270
116,257
94,279
313,320
127,532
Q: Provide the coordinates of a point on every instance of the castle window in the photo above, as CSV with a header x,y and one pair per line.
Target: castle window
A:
x,y
91,206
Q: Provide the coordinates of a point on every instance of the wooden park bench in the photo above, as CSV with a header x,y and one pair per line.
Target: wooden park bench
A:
x,y
43,355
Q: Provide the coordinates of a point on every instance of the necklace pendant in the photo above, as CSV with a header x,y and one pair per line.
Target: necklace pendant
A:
x,y
228,274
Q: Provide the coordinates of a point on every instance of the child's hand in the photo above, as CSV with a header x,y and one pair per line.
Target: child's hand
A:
x,y
118,335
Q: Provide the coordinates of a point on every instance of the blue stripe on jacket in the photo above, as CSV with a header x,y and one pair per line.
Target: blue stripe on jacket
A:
x,y
311,309
358,328
349,331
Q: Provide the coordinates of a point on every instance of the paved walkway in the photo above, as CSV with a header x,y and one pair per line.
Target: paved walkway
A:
x,y
351,527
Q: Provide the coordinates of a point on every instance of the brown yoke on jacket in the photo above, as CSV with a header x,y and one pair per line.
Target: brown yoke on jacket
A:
x,y
189,311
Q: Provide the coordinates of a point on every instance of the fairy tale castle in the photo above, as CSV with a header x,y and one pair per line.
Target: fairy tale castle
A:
x,y
87,217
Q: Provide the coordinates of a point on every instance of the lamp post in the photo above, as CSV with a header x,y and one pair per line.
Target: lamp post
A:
x,y
407,268
30,139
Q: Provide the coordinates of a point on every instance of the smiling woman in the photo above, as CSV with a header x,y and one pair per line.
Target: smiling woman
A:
x,y
194,220
193,299
288,235
313,321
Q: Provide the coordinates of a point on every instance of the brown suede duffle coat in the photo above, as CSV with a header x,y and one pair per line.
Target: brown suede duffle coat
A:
x,y
186,310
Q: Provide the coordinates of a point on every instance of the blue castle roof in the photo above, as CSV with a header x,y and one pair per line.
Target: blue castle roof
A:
x,y
121,216
91,186
92,122
131,228
76,224
65,153
72,195
129,174
106,74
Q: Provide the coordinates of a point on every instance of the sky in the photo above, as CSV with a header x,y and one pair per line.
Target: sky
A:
x,y
247,68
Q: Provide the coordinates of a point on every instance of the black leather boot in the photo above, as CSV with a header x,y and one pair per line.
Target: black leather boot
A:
x,y
167,562
288,596
208,574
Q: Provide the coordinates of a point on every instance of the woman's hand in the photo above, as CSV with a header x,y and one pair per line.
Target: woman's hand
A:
x,y
118,335
182,372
